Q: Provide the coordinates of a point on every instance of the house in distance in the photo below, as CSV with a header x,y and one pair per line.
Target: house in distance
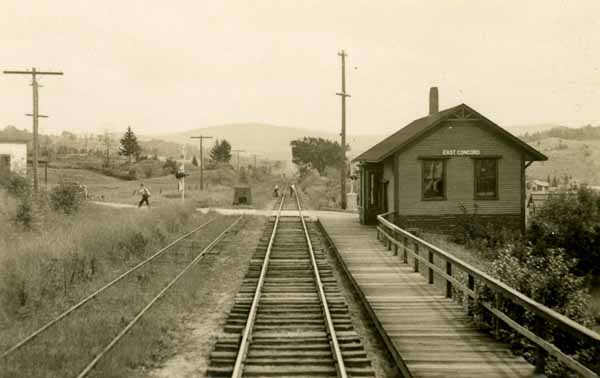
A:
x,y
13,155
437,167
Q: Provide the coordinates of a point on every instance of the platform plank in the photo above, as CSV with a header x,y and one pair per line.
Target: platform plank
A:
x,y
432,333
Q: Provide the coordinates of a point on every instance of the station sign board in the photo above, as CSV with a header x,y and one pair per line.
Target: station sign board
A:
x,y
455,152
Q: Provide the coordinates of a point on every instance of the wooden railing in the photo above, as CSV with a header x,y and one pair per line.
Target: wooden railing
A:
x,y
424,257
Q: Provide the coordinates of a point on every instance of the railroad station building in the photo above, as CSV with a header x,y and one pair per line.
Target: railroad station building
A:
x,y
432,171
13,155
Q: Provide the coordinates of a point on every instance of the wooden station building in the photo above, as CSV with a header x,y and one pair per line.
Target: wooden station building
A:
x,y
437,167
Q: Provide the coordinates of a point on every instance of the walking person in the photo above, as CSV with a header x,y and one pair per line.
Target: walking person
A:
x,y
145,193
276,191
292,189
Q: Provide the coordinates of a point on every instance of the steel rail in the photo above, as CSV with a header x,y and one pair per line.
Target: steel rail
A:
x,y
99,291
337,352
124,331
238,367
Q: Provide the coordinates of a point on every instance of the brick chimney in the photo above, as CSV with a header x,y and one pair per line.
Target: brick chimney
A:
x,y
434,102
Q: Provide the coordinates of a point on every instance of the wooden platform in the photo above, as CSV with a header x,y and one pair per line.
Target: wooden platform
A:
x,y
432,334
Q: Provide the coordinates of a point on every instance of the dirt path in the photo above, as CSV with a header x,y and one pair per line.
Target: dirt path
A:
x,y
222,273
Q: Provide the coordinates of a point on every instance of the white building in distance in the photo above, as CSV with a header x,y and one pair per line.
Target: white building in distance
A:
x,y
13,155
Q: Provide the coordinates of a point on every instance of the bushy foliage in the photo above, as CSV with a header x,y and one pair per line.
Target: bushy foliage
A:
x,y
315,153
572,223
484,237
170,166
546,278
129,145
220,152
16,185
66,197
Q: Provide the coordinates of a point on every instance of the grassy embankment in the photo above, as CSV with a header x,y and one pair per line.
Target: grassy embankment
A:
x,y
44,272
219,187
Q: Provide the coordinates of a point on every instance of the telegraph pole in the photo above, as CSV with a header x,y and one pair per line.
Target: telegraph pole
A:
x,y
34,73
343,95
201,159
238,157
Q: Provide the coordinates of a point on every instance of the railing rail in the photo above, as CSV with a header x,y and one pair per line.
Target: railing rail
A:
x,y
424,254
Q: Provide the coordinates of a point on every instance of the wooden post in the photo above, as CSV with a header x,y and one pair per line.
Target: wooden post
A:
x,y
343,95
201,158
497,305
430,271
396,244
35,115
416,257
471,286
540,356
404,251
448,282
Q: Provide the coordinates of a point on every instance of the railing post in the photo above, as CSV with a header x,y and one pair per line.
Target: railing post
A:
x,y
471,286
497,305
430,270
404,251
416,264
389,241
540,357
448,282
396,243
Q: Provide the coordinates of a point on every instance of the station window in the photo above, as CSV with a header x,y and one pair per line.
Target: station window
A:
x,y
486,178
434,179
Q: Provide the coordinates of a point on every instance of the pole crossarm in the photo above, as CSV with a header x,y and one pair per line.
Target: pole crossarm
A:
x,y
33,72
35,115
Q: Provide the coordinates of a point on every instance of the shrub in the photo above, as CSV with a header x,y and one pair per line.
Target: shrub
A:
x,y
546,278
170,166
66,197
572,223
148,171
132,174
16,185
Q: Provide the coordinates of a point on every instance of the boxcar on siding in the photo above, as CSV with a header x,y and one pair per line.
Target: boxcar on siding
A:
x,y
445,164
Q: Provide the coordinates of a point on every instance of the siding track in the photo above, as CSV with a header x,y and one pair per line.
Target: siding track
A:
x,y
289,317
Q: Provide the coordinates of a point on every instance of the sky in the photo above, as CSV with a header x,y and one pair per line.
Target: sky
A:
x,y
172,66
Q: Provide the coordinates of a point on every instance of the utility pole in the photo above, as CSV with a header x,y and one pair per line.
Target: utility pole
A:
x,y
255,160
201,158
238,157
343,95
183,171
34,73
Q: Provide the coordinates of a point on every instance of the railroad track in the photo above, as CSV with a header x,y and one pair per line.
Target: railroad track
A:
x,y
102,351
289,317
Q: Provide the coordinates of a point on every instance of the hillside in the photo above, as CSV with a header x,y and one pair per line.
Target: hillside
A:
x,y
577,158
267,141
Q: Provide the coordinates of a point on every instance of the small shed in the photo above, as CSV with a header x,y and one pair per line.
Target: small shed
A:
x,y
242,195
13,155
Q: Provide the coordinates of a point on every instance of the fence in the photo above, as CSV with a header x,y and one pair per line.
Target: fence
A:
x,y
424,257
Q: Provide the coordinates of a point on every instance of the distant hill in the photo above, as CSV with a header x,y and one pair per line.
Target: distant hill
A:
x,y
571,151
268,141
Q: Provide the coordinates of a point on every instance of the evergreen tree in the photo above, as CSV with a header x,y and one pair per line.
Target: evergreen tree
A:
x,y
221,152
129,145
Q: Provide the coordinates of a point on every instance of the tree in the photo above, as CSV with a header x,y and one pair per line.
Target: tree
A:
x,y
129,145
221,152
317,153
195,161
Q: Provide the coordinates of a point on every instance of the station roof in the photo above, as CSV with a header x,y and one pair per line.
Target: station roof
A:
x,y
420,127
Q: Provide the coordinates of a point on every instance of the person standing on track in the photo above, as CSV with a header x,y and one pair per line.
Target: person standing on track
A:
x,y
276,191
292,189
145,193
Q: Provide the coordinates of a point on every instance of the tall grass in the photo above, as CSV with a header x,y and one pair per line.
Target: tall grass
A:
x,y
37,267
